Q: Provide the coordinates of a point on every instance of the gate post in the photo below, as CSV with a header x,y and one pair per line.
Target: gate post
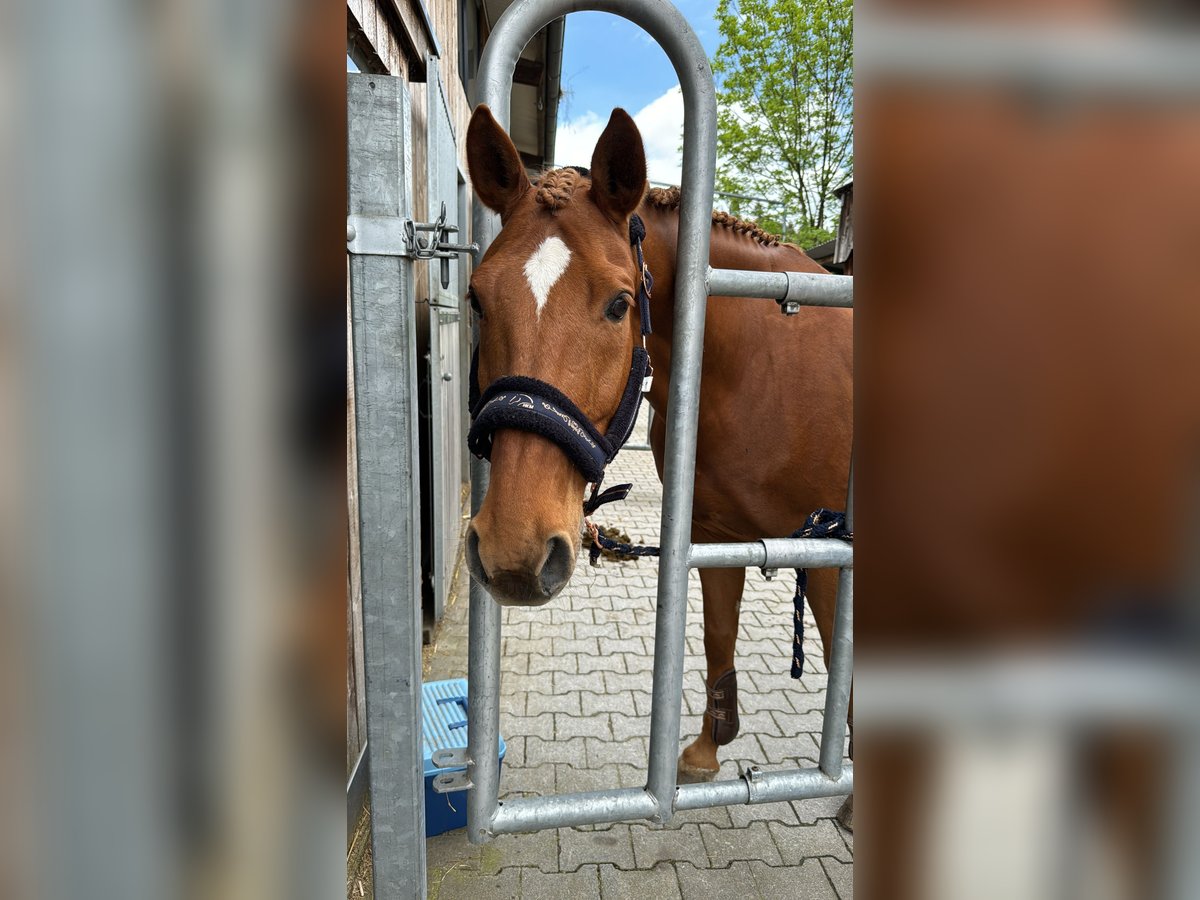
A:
x,y
841,662
379,173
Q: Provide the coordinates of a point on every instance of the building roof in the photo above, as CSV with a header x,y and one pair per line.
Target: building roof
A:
x,y
822,253
537,85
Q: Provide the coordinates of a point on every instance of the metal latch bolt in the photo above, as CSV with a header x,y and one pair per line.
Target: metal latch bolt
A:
x,y
399,236
435,247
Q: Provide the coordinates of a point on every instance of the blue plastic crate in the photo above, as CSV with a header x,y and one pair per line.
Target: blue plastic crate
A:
x,y
444,725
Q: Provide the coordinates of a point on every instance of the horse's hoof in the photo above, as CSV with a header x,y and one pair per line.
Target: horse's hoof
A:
x,y
846,814
686,774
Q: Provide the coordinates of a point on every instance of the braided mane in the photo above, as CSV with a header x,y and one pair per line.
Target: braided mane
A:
x,y
668,199
555,188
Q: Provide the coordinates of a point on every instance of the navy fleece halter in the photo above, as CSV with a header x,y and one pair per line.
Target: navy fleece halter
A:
x,y
529,404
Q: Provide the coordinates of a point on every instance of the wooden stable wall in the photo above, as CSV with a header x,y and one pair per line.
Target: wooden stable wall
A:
x,y
390,38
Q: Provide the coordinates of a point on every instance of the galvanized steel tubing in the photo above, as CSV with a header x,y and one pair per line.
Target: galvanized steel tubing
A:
x,y
765,787
694,280
841,662
806,288
773,553
667,25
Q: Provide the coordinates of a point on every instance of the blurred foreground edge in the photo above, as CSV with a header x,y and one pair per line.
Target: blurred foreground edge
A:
x,y
1028,327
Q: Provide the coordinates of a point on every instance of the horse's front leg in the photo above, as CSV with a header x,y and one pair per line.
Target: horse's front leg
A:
x,y
722,590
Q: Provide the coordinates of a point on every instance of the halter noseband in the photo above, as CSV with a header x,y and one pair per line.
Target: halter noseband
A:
x,y
529,404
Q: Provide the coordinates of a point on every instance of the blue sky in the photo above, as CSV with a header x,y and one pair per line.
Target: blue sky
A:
x,y
608,61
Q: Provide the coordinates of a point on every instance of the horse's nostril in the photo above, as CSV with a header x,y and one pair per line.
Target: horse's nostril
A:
x,y
514,579
474,562
560,563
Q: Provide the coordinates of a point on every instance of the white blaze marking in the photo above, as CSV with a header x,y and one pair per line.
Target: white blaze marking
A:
x,y
545,267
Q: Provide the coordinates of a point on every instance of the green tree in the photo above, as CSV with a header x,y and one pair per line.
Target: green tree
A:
x,y
786,108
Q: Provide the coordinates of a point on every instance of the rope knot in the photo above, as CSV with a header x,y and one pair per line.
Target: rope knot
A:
x,y
637,229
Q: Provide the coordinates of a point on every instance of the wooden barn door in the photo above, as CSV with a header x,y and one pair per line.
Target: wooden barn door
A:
x,y
446,355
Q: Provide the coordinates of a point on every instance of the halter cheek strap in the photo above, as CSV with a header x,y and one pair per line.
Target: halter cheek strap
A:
x,y
637,233
529,404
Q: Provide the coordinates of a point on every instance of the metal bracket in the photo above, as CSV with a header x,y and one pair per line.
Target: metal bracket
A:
x,y
752,775
451,758
448,782
790,304
376,235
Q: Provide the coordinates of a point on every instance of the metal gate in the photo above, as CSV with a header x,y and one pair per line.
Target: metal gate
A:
x,y
661,796
383,329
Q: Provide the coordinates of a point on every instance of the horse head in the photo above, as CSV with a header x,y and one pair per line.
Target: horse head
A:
x,y
558,327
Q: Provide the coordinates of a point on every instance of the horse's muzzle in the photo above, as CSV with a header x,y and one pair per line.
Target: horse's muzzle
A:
x,y
526,586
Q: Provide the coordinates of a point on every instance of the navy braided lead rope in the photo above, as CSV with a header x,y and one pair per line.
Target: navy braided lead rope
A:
x,y
637,234
601,542
823,523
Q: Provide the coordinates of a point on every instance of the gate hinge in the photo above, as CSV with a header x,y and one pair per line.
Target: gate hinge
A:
x,y
448,782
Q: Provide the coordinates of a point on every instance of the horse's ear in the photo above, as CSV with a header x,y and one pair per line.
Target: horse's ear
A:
x,y
497,173
619,168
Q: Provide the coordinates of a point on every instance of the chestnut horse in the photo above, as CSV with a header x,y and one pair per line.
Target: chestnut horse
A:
x,y
555,296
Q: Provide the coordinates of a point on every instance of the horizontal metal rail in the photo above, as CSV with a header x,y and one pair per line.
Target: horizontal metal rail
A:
x,y
773,553
801,288
567,810
765,787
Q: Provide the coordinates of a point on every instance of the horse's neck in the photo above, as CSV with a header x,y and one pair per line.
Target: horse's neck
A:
x,y
727,249
660,247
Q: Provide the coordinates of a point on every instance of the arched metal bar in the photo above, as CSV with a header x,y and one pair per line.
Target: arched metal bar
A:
x,y
487,816
673,33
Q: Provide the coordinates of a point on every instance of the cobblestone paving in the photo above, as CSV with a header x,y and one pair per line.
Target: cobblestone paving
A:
x,y
575,715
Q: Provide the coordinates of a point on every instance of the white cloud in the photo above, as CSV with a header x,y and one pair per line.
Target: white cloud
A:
x,y
661,125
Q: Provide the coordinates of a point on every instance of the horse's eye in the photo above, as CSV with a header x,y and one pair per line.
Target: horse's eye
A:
x,y
474,300
618,307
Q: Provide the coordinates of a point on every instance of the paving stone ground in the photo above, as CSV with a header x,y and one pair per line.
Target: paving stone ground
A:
x,y
576,716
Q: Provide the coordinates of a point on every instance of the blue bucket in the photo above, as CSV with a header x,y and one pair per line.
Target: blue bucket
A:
x,y
444,725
